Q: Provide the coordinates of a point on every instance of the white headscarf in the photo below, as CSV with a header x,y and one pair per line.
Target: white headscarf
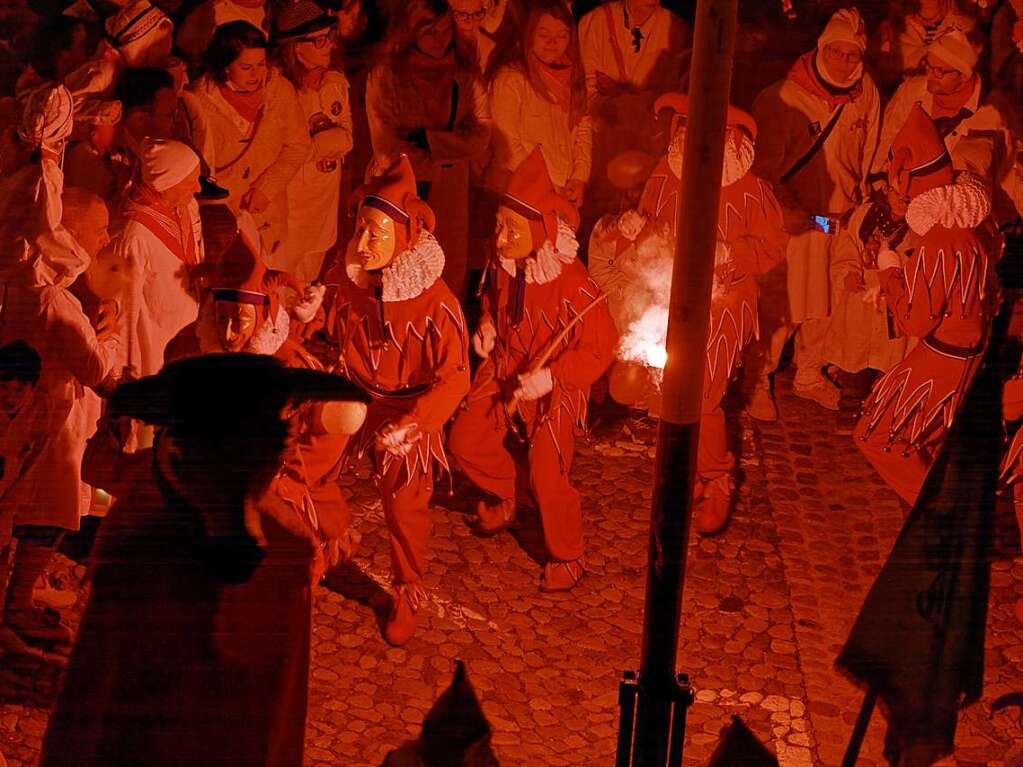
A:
x,y
48,118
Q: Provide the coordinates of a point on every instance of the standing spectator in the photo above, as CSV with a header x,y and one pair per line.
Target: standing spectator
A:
x,y
40,310
942,296
424,101
256,137
306,35
632,51
953,95
538,98
59,47
149,106
198,27
157,239
929,20
819,131
361,27
91,163
469,16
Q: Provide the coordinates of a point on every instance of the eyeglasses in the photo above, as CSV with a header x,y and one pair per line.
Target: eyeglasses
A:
x,y
321,40
467,16
931,69
855,57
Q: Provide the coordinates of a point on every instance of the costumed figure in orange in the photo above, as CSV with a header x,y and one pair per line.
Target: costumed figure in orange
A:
x,y
402,337
241,312
632,256
546,336
942,295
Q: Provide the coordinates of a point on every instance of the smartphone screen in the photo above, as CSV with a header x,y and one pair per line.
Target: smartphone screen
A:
x,y
822,223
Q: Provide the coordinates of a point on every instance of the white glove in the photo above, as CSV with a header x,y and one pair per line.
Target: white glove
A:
x,y
888,259
398,440
483,339
535,385
312,298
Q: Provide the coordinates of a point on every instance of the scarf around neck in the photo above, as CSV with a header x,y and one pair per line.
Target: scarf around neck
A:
x,y
807,76
950,104
247,104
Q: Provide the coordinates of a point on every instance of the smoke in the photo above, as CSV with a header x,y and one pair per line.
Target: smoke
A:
x,y
646,290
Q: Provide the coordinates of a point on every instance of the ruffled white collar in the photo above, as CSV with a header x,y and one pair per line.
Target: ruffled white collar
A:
x,y
737,162
545,265
268,338
410,272
964,203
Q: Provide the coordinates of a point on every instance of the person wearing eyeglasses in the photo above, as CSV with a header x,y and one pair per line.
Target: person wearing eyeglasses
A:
x,y
819,127
425,101
930,20
306,38
952,92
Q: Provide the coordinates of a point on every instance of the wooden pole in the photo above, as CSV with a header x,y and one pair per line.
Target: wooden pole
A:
x,y
678,434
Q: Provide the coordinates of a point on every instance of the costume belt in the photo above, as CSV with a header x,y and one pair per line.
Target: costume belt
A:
x,y
959,352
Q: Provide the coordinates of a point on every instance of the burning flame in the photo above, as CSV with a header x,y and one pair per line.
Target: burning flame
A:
x,y
644,302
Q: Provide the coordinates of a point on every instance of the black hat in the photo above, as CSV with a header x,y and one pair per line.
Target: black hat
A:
x,y
300,19
216,391
209,189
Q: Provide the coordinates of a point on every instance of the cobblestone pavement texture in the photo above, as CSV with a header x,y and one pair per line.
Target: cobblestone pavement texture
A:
x,y
767,607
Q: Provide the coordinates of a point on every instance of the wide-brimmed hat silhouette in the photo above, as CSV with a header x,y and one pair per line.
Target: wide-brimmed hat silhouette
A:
x,y
226,390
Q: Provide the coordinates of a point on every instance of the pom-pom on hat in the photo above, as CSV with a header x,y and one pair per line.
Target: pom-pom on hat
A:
x,y
531,194
394,193
918,159
679,104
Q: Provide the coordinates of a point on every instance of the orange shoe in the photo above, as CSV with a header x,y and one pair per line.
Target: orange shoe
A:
x,y
562,576
491,520
713,507
401,623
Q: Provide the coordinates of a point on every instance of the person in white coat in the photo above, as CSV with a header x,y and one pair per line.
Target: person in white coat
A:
x,y
819,130
38,309
306,39
157,239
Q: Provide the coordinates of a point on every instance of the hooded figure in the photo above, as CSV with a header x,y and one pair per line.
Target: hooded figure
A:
x,y
541,355
241,312
194,647
943,295
398,326
634,252
818,130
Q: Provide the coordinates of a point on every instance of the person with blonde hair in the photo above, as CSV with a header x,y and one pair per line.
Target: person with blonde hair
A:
x,y
538,98
424,101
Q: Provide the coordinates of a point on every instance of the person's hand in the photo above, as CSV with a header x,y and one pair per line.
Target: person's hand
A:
x,y
534,385
255,201
399,438
888,259
483,339
574,191
106,320
853,282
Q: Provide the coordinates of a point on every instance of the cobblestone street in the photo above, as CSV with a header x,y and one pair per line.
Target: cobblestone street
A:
x,y
768,605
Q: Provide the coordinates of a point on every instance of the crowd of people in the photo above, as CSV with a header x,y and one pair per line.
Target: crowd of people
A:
x,y
468,209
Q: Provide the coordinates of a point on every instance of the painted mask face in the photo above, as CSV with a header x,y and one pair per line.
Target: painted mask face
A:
x,y
514,237
375,238
236,324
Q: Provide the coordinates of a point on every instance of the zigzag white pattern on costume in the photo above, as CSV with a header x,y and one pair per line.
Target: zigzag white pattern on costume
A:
x,y
961,277
745,329
1012,464
749,199
890,394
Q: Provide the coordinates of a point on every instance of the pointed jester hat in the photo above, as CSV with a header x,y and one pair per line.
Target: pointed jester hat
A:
x,y
531,194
